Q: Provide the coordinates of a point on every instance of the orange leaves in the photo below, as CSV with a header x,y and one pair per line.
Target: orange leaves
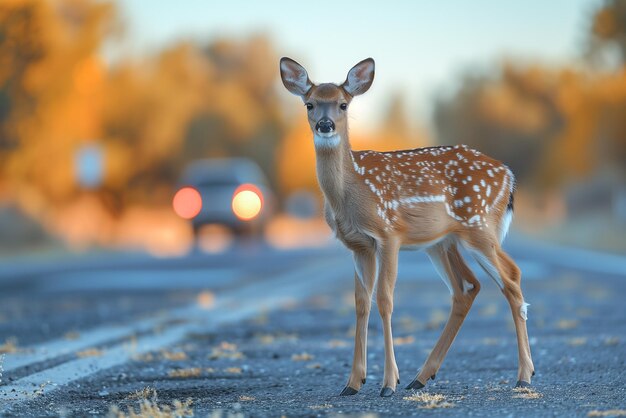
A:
x,y
296,157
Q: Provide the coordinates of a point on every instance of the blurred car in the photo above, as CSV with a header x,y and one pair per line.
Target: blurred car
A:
x,y
234,193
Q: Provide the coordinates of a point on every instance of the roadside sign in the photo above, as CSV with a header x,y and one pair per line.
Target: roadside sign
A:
x,y
89,165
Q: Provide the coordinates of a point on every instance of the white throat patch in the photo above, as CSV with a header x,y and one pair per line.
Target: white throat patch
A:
x,y
326,141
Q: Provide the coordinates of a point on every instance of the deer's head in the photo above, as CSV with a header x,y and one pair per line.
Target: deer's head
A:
x,y
327,103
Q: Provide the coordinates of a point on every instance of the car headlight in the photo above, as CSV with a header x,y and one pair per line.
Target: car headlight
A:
x,y
247,202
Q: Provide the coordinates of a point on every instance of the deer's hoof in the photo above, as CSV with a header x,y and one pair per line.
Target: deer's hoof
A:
x,y
348,391
415,384
522,384
386,392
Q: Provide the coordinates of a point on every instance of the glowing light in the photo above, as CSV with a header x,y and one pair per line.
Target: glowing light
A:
x,y
247,202
206,299
214,238
187,202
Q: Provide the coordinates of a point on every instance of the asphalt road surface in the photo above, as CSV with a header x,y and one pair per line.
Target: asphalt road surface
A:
x,y
260,332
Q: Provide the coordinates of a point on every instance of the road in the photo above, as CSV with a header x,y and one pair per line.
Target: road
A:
x,y
260,332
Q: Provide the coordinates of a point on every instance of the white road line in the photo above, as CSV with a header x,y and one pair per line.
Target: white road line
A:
x,y
52,349
148,279
233,306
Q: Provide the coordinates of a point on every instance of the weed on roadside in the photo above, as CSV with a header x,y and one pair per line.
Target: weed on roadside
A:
x,y
429,400
526,393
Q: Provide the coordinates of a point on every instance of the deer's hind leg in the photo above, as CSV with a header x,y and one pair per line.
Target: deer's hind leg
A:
x,y
464,287
507,274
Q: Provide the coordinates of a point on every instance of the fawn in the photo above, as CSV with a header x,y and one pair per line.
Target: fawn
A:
x,y
434,198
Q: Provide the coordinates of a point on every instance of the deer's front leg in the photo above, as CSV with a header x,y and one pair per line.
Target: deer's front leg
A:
x,y
387,254
364,277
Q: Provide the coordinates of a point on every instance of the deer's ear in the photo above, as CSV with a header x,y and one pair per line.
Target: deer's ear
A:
x,y
360,77
295,77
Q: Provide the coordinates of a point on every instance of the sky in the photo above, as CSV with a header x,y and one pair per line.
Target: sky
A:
x,y
421,48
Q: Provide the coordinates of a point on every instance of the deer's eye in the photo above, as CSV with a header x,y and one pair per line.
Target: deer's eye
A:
x,y
343,106
309,106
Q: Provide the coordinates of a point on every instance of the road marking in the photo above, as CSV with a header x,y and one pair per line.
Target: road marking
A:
x,y
229,307
149,279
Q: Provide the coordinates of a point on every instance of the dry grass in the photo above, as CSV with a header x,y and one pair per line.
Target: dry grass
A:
x,y
226,350
438,317
429,400
608,413
319,301
245,398
233,370
9,346
577,341
89,352
302,357
567,324
425,397
409,339
40,389
267,339
146,393
489,310
337,343
163,355
526,393
146,357
408,324
322,406
71,336
150,409
314,366
185,373
173,355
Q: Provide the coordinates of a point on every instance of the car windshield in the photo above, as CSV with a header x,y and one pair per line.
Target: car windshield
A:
x,y
217,182
226,172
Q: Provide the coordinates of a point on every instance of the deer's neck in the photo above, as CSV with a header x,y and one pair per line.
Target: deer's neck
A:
x,y
334,167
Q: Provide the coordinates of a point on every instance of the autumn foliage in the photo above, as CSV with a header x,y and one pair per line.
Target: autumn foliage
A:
x,y
153,114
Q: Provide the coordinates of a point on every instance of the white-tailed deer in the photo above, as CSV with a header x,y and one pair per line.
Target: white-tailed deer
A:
x,y
434,198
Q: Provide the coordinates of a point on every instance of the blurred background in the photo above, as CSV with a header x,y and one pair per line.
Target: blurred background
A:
x,y
109,109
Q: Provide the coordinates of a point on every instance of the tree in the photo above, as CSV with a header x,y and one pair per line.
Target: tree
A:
x,y
607,34
51,86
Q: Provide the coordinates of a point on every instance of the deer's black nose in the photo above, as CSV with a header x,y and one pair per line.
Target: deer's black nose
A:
x,y
325,126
